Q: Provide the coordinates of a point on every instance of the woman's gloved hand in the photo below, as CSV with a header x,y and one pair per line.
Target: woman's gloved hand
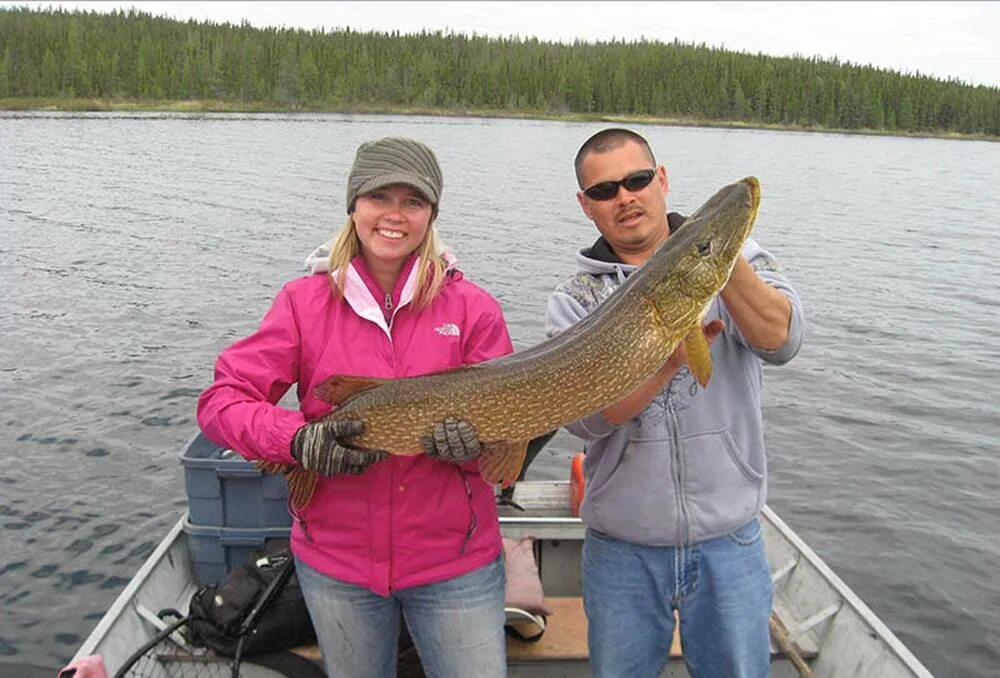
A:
x,y
318,447
454,441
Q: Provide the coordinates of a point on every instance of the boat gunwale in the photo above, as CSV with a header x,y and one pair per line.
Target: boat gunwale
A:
x,y
846,594
129,593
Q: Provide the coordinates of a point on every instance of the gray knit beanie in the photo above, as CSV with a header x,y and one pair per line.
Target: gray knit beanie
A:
x,y
394,160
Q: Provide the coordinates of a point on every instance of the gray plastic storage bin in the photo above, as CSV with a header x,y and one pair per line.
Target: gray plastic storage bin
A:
x,y
216,550
225,490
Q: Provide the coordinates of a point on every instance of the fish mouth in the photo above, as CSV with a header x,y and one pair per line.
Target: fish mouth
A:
x,y
735,239
753,185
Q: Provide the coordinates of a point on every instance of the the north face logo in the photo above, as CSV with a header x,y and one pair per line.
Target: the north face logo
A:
x,y
448,330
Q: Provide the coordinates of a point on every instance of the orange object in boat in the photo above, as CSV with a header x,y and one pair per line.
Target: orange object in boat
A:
x,y
576,483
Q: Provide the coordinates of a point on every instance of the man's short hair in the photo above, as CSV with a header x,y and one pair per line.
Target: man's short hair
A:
x,y
606,140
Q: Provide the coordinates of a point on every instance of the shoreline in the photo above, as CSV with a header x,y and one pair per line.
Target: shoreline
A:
x,y
40,105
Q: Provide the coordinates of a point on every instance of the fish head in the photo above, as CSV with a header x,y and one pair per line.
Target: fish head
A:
x,y
695,262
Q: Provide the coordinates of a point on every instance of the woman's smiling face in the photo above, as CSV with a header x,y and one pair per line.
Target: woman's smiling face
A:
x,y
391,222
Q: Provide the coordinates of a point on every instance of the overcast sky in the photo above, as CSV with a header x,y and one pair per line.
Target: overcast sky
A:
x,y
943,39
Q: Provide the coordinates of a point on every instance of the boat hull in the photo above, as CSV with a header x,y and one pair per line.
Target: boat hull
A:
x,y
825,621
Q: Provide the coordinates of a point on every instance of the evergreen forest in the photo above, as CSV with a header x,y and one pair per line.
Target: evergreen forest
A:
x,y
62,59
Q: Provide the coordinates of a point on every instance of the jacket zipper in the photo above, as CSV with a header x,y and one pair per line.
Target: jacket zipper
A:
x,y
389,527
388,301
682,529
473,522
682,522
300,519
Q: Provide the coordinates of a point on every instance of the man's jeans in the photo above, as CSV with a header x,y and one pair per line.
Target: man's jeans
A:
x,y
456,625
721,589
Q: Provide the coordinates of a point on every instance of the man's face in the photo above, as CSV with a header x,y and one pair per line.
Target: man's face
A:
x,y
633,223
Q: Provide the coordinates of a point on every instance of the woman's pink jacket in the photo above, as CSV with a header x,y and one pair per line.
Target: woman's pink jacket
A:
x,y
405,521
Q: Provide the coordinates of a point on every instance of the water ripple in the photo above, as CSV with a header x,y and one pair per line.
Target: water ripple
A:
x,y
118,296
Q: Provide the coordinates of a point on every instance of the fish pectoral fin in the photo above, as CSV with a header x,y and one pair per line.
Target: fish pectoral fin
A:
x,y
301,483
501,461
340,387
699,356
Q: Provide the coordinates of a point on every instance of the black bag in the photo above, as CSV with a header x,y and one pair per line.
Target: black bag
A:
x,y
259,604
256,611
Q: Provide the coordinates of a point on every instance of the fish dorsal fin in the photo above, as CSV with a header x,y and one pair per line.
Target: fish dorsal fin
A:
x,y
340,387
501,462
699,357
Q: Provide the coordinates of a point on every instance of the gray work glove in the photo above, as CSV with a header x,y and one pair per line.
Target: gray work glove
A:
x,y
318,448
454,441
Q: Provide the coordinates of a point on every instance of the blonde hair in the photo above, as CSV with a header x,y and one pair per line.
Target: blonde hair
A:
x,y
431,263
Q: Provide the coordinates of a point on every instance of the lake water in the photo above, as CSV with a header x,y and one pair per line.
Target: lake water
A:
x,y
136,246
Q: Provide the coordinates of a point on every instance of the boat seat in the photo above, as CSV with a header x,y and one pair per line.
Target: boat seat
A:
x,y
565,637
310,652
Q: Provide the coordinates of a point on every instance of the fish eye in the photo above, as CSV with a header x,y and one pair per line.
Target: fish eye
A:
x,y
705,248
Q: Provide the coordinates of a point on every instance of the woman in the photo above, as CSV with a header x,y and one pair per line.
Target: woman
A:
x,y
381,534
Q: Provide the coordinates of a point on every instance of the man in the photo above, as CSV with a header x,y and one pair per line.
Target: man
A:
x,y
676,474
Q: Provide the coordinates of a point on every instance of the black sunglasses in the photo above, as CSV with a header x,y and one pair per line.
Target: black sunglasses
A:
x,y
606,190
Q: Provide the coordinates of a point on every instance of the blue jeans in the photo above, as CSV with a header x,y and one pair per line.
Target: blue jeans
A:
x,y
721,589
456,625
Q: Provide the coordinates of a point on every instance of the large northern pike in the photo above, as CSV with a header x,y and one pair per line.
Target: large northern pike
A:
x,y
593,364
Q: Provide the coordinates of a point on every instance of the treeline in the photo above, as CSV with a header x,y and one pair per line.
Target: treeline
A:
x,y
132,55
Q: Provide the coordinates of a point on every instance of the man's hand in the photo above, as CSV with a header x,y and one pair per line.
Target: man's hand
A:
x,y
318,448
454,441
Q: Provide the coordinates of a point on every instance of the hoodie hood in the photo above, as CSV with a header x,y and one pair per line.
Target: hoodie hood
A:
x,y
600,258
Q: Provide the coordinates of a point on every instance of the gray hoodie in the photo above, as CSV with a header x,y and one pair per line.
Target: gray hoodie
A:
x,y
692,465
